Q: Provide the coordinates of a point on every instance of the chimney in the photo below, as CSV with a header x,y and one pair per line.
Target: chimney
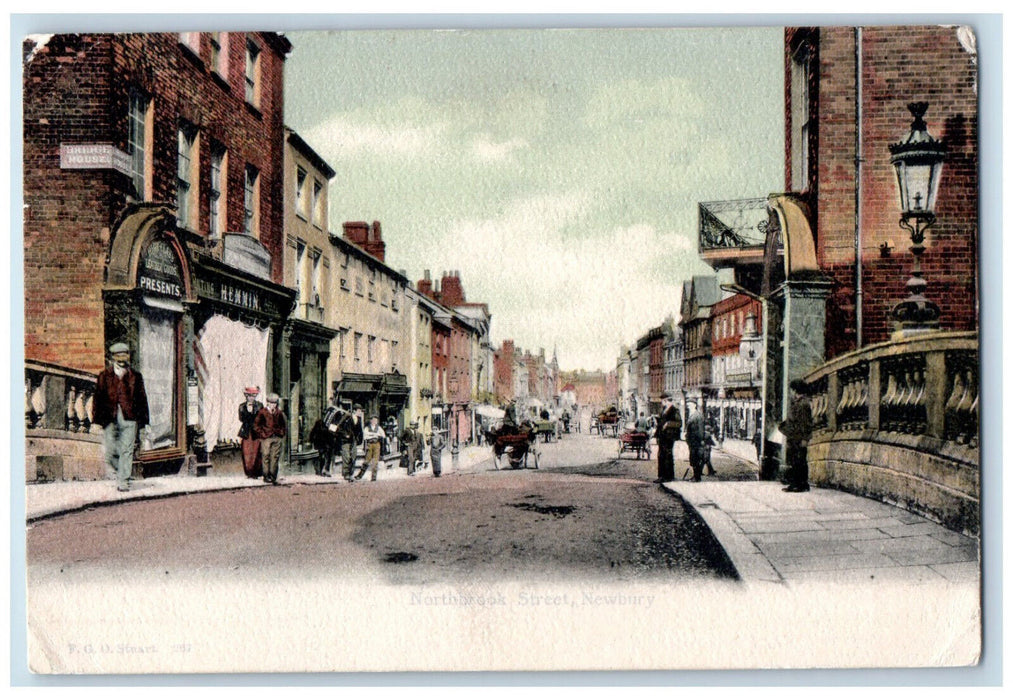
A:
x,y
369,239
453,292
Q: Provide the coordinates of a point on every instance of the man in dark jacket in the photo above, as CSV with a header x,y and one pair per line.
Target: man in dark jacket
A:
x,y
797,429
120,406
669,430
269,426
695,436
349,432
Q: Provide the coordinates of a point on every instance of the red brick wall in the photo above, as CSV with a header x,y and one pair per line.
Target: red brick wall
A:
x,y
738,306
503,371
900,65
76,90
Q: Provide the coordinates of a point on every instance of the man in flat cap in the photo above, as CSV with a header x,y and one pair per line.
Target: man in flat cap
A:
x,y
373,436
269,426
349,432
121,408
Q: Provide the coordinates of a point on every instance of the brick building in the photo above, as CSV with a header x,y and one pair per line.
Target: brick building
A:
x,y
698,296
503,372
735,377
153,215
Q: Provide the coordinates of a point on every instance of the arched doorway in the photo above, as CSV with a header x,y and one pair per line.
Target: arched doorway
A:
x,y
147,290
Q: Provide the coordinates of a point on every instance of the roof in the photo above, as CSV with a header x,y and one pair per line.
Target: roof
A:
x,y
312,156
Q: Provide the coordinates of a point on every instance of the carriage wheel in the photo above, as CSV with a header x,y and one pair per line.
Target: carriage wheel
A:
x,y
534,453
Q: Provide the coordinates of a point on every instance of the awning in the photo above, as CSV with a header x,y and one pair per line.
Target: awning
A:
x,y
351,386
487,411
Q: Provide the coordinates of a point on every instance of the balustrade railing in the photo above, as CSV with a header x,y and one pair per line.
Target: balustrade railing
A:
x,y
57,398
922,386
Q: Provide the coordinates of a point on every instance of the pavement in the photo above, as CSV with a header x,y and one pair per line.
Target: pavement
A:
x,y
770,536
822,534
44,500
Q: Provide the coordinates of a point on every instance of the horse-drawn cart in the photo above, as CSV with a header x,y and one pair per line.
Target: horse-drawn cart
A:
x,y
635,441
516,444
608,421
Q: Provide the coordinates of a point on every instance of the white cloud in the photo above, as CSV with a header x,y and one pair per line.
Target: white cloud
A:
x,y
485,149
590,292
340,137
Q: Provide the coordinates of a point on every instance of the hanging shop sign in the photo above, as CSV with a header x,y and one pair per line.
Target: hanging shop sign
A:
x,y
94,156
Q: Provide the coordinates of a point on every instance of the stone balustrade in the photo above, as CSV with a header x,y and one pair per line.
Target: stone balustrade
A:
x,y
899,421
61,441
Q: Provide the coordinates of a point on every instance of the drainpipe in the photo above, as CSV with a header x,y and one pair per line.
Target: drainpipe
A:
x,y
858,187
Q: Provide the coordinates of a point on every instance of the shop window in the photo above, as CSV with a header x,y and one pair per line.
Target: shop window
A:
x,y
138,143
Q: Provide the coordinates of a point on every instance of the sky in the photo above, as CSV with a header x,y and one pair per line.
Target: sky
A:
x,y
558,170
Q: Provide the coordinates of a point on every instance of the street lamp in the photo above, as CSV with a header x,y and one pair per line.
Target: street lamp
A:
x,y
918,160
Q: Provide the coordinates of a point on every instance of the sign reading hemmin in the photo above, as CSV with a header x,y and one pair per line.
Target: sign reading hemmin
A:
x,y
159,271
230,294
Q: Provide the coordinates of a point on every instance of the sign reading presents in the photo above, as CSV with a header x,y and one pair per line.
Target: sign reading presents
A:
x,y
159,271
94,156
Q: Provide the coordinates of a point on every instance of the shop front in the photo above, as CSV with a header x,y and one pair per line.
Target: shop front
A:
x,y
147,297
237,341
306,350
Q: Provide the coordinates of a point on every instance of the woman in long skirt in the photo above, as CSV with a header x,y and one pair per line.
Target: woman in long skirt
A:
x,y
249,443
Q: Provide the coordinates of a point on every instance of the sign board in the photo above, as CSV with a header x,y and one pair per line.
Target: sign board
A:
x,y
159,271
94,156
192,402
246,253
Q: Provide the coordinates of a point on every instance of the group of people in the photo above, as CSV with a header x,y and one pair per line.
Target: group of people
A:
x,y
262,431
796,429
699,439
341,432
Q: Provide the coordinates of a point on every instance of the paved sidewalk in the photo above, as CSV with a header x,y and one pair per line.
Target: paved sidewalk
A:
x,y
826,535
49,499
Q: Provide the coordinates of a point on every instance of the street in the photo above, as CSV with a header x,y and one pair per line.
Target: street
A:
x,y
582,513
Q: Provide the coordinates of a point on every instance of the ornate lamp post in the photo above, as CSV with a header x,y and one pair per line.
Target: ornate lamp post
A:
x,y
918,160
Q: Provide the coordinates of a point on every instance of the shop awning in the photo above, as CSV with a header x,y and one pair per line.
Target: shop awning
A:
x,y
487,411
353,386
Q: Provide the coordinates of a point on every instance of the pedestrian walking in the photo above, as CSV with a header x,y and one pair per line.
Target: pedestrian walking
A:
x,y
349,433
248,443
410,447
436,444
269,427
120,406
695,439
797,429
372,436
669,430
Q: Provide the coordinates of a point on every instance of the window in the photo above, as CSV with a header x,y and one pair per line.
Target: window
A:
x,y
190,40
358,343
801,116
300,192
137,142
251,200
186,189
317,292
317,206
359,287
344,283
216,194
300,270
220,53
341,343
252,73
